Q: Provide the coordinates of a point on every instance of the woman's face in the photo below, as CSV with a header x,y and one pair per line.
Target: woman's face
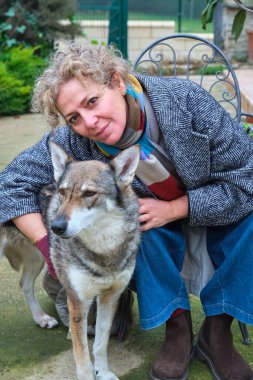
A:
x,y
94,111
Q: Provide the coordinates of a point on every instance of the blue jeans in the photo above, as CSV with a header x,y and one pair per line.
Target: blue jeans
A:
x,y
161,289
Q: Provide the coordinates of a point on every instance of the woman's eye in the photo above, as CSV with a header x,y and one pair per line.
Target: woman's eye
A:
x,y
89,193
92,101
73,119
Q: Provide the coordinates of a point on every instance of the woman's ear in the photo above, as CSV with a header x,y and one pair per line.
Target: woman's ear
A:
x,y
118,82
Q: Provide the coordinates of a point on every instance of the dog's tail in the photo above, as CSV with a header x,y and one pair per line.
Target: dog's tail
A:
x,y
124,314
123,318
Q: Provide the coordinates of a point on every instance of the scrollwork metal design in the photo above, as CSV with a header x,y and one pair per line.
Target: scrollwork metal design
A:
x,y
156,58
213,56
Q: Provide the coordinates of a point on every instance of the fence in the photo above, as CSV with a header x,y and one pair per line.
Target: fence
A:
x,y
185,13
106,21
113,12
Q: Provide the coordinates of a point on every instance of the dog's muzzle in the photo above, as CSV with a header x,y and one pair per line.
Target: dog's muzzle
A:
x,y
59,226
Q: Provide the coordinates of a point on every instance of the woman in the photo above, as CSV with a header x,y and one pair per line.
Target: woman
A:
x,y
196,169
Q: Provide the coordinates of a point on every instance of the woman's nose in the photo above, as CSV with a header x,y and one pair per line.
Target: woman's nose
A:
x,y
90,119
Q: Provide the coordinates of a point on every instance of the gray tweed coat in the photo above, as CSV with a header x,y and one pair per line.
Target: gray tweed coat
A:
x,y
211,153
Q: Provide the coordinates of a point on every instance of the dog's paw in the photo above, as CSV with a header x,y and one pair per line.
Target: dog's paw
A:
x,y
84,372
46,321
106,376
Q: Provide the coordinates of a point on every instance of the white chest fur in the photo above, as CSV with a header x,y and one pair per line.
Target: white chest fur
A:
x,y
105,234
87,286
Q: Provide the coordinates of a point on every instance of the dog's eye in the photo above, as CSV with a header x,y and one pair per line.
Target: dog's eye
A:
x,y
62,191
88,193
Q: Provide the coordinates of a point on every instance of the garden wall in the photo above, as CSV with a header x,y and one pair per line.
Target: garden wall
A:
x,y
238,49
140,34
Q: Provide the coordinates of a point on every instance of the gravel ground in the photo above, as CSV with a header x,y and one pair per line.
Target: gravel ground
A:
x,y
62,366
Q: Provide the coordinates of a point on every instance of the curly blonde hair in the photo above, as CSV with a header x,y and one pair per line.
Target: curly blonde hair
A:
x,y
97,62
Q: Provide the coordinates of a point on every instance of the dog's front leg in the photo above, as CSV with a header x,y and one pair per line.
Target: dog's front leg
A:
x,y
78,313
106,307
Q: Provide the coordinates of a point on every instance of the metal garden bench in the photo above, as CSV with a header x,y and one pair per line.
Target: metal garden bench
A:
x,y
195,58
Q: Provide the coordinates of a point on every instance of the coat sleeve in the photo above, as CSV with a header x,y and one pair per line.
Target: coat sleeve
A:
x,y
227,196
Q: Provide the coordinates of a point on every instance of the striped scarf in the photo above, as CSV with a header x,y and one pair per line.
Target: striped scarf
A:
x,y
154,169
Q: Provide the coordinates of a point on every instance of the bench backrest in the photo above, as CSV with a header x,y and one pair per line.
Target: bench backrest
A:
x,y
197,59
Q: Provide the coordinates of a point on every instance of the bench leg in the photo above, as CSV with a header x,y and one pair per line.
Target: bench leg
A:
x,y
245,335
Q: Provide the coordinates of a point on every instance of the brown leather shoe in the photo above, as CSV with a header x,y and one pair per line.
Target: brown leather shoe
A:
x,y
172,361
215,347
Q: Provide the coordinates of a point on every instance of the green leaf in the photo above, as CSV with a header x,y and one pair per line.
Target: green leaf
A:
x,y
207,13
203,16
31,19
21,29
5,26
11,42
10,13
210,10
238,23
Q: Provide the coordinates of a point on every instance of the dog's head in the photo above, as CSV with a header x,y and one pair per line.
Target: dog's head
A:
x,y
90,190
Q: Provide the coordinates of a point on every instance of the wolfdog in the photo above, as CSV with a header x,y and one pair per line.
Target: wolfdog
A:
x,y
93,228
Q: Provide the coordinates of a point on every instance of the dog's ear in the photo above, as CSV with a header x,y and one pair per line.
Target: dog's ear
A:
x,y
59,159
125,165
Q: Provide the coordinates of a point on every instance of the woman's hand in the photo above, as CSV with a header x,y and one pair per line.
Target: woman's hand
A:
x,y
156,213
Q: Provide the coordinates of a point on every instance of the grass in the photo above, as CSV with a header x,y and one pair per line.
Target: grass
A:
x,y
24,347
23,344
187,25
248,128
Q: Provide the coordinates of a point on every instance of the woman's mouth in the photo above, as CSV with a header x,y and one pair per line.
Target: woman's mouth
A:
x,y
102,131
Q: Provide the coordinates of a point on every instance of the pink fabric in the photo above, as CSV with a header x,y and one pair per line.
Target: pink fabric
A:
x,y
43,247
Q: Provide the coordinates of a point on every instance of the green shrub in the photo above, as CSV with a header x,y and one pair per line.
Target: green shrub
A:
x,y
36,22
14,95
210,70
19,66
23,63
248,128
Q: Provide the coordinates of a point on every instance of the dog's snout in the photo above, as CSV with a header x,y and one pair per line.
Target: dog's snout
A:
x,y
59,225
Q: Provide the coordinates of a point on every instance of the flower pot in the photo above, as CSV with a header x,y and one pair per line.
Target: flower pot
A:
x,y
250,44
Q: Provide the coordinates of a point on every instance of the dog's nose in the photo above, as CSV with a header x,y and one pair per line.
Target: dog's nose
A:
x,y
59,225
